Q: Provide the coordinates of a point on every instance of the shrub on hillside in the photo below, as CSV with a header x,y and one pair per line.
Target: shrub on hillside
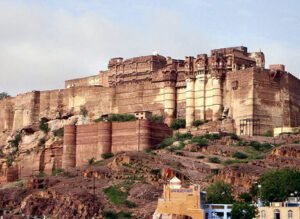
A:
x,y
157,119
183,136
43,125
260,146
178,124
200,141
239,155
15,141
121,118
269,133
214,160
166,142
58,132
197,123
107,155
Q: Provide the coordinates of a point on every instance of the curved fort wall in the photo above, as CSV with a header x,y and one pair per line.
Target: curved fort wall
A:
x,y
69,148
84,142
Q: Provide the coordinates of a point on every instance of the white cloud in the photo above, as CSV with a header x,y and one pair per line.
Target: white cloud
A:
x,y
40,47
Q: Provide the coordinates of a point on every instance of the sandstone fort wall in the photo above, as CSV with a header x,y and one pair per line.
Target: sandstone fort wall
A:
x,y
84,142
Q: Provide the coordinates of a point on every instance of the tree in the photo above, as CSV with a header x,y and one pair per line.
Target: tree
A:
x,y
4,95
220,193
241,210
277,185
246,197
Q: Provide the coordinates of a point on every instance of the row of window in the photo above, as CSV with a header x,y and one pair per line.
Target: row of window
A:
x,y
276,214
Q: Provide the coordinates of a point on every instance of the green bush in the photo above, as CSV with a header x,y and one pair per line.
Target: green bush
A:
x,y
230,161
115,195
91,161
242,143
166,142
111,214
213,136
179,153
197,123
9,160
157,119
269,133
214,160
178,124
183,136
234,136
239,155
15,142
200,141
200,157
43,125
181,145
130,204
121,118
42,142
107,155
260,146
58,132
57,171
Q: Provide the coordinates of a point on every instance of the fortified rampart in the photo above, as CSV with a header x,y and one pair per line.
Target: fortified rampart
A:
x,y
229,83
84,142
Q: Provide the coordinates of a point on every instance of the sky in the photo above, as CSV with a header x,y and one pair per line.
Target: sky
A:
x,y
45,42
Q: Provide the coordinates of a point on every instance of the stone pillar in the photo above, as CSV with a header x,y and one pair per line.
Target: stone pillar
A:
x,y
200,97
144,134
217,97
8,117
18,118
104,137
169,101
190,102
69,148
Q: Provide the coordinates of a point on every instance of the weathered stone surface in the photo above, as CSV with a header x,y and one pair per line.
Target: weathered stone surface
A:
x,y
231,85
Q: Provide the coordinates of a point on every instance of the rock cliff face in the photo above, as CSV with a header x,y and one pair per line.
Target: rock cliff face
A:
x,y
242,176
61,204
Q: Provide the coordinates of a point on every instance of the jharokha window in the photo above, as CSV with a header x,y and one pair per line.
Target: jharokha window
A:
x,y
290,214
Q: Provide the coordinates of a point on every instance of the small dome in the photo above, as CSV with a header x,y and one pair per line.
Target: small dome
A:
x,y
175,183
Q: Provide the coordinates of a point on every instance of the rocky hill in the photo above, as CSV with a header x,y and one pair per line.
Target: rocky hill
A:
x,y
130,183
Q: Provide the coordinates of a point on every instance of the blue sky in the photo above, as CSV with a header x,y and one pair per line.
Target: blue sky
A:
x,y
43,43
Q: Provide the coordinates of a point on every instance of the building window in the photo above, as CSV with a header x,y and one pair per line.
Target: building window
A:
x,y
234,85
263,214
276,214
290,214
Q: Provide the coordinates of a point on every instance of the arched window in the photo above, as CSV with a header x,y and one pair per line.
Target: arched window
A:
x,y
276,214
263,214
290,214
